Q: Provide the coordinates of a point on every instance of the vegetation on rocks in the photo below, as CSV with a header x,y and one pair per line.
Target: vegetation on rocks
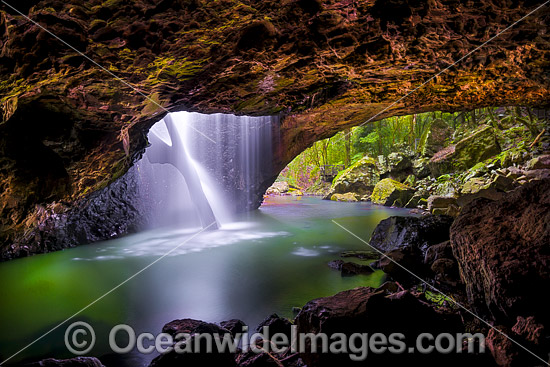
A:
x,y
435,161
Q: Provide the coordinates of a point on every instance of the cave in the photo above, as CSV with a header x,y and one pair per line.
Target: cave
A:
x,y
311,166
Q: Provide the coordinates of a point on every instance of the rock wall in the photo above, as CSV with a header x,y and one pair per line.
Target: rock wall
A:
x,y
108,213
503,248
69,128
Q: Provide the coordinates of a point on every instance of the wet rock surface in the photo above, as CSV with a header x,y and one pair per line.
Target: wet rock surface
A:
x,y
417,233
106,214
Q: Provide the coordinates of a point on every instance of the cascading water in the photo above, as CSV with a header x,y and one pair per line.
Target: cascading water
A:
x,y
201,169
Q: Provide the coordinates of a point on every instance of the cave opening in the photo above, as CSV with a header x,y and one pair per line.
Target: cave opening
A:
x,y
432,153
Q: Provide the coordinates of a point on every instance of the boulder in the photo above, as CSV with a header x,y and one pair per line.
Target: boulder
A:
x,y
417,198
410,181
411,232
399,263
279,187
368,310
477,147
405,241
537,174
474,185
528,333
540,162
276,325
234,326
445,270
529,329
439,205
420,168
435,138
204,358
503,251
442,250
360,178
350,197
489,194
400,166
389,192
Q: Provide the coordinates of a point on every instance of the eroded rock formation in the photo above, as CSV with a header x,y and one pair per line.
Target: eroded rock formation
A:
x,y
69,128
503,248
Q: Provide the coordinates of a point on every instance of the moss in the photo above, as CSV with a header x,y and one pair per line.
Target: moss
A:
x,y
112,3
252,104
119,170
97,23
388,192
164,68
444,178
152,104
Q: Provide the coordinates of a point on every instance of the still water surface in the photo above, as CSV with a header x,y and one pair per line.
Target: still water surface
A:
x,y
269,261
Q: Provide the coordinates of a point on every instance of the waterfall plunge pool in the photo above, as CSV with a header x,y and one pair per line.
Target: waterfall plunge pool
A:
x,y
267,261
199,170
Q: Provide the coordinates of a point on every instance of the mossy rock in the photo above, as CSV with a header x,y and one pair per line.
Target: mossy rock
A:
x,y
474,185
434,138
477,147
359,178
400,165
389,192
349,197
420,168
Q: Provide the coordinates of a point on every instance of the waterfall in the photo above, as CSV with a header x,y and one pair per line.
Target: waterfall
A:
x,y
201,169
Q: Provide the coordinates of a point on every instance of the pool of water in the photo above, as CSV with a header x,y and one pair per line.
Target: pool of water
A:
x,y
271,260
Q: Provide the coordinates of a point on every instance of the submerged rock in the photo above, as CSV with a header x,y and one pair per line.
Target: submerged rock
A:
x,y
359,254
336,264
389,192
349,268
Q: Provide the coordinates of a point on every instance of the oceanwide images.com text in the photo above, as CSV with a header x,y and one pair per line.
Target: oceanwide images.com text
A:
x,y
80,339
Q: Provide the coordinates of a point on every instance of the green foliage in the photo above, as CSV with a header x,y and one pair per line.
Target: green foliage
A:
x,y
437,298
514,127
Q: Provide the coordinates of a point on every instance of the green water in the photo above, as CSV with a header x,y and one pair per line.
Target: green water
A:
x,y
271,260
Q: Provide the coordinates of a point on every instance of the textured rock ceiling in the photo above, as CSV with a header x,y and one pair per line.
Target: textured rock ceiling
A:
x,y
69,128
